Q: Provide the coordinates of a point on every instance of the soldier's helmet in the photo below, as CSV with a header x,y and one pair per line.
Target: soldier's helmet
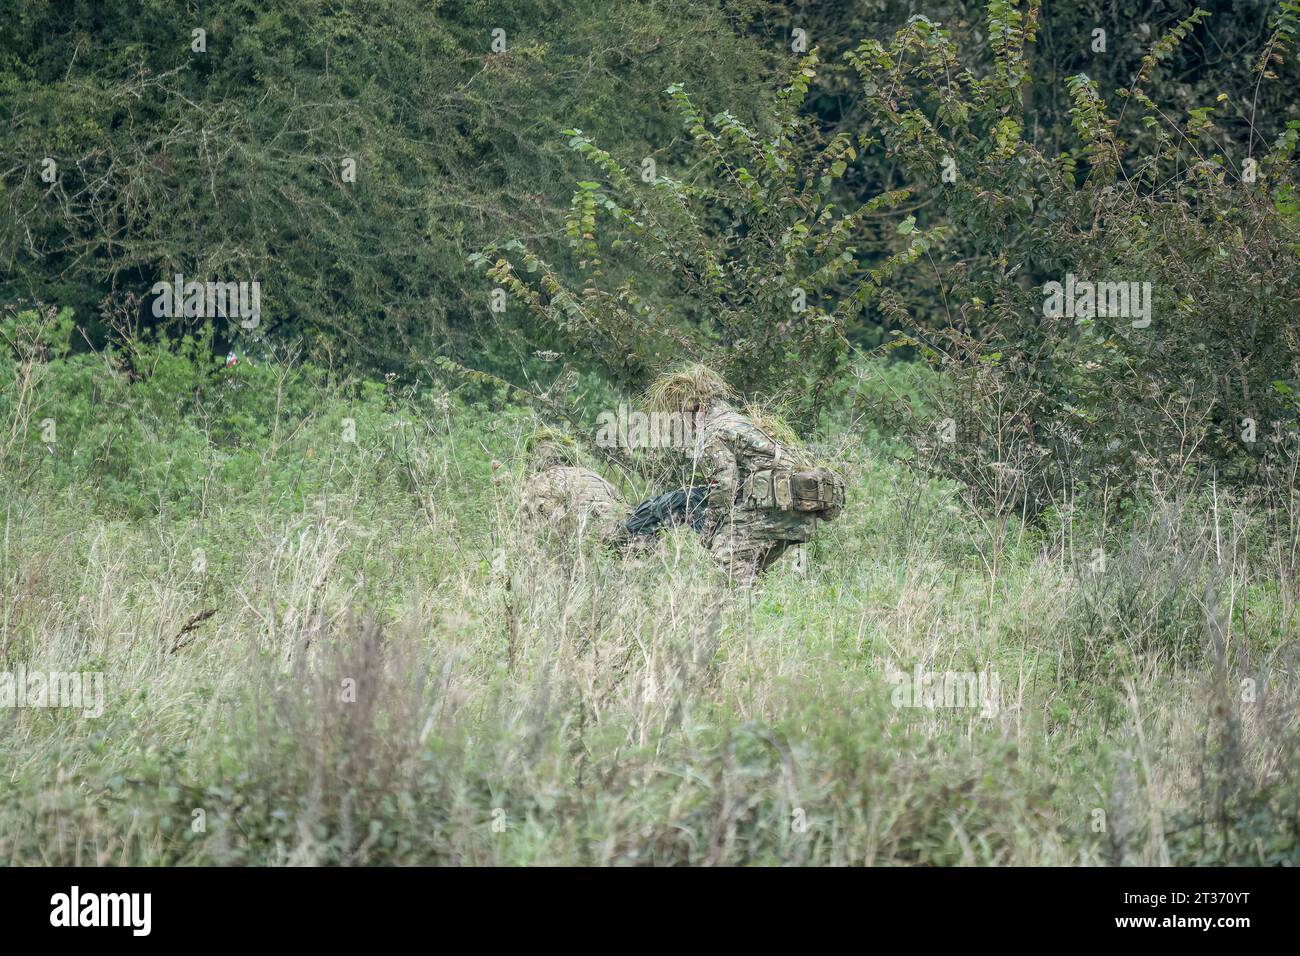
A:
x,y
548,448
686,389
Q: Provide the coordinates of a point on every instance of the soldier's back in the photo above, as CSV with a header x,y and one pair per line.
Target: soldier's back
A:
x,y
572,499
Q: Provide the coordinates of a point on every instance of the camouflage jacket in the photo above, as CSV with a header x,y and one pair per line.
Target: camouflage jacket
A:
x,y
729,448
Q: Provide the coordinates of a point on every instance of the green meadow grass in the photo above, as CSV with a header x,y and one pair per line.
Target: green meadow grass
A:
x,y
396,672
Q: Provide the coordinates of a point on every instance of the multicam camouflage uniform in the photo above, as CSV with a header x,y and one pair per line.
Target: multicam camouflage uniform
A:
x,y
575,502
730,448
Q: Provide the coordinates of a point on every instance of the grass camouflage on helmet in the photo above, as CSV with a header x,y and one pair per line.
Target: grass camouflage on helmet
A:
x,y
550,445
687,387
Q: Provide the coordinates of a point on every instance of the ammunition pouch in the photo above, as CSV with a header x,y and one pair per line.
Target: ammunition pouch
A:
x,y
815,491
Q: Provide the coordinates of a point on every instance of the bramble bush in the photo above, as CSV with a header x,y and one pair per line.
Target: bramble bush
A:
x,y
346,160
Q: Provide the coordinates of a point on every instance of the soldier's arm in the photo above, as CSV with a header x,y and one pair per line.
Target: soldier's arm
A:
x,y
757,446
718,465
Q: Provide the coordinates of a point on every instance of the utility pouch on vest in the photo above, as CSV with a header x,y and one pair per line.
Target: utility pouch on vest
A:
x,y
819,490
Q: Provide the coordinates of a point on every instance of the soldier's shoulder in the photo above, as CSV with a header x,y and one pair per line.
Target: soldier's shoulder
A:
x,y
725,422
569,476
742,428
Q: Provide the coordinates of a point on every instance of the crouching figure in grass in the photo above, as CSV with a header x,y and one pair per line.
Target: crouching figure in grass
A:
x,y
764,491
561,495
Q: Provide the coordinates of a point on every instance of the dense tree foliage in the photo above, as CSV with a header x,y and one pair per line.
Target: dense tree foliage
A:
x,y
229,163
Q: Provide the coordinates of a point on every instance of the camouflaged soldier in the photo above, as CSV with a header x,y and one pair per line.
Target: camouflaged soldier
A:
x,y
765,495
561,495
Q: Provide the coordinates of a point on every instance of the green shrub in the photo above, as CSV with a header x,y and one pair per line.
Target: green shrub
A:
x,y
1032,408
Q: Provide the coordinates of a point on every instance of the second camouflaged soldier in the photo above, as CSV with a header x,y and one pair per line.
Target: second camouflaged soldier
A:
x,y
561,495
764,495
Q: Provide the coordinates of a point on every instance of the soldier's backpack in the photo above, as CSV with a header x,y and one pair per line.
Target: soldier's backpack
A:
x,y
816,491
